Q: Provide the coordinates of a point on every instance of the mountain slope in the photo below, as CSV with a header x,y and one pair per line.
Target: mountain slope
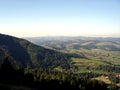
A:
x,y
30,55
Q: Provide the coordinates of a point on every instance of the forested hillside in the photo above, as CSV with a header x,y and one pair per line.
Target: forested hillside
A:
x,y
18,78
30,55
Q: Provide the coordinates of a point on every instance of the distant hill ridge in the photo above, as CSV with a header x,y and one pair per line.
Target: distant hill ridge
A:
x,y
62,43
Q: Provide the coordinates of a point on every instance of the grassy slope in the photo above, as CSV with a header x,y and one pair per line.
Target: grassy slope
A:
x,y
97,53
96,57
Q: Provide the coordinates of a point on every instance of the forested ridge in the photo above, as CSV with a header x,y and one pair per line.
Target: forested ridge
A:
x,y
44,79
31,55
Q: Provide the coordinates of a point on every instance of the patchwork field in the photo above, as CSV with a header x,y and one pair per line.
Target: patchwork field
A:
x,y
98,55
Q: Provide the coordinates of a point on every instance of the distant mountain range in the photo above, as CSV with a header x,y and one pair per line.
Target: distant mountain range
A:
x,y
73,38
30,55
63,42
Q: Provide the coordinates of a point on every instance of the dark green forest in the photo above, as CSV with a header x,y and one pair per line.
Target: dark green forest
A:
x,y
38,79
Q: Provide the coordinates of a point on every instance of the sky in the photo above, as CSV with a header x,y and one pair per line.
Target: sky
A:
x,y
33,18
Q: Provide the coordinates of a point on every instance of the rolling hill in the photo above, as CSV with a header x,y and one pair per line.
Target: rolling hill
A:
x,y
102,54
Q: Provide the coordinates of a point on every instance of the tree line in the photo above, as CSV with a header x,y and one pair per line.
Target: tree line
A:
x,y
45,79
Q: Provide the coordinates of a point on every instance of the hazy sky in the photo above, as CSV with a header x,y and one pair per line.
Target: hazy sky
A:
x,y
24,18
